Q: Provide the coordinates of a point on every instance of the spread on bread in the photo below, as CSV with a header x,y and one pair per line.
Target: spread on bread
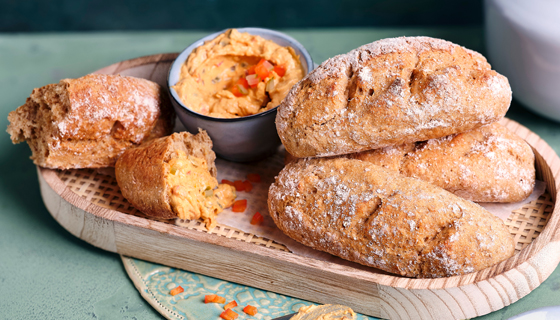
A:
x,y
88,122
390,92
237,74
195,193
174,177
363,213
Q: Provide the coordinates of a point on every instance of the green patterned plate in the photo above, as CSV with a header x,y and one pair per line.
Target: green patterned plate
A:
x,y
154,282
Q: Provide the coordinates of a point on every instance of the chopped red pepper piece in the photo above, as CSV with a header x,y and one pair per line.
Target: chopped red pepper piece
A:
x,y
224,181
244,91
269,66
251,69
239,205
229,315
235,91
239,185
209,298
280,71
262,69
253,177
253,80
248,186
230,305
257,218
176,291
250,310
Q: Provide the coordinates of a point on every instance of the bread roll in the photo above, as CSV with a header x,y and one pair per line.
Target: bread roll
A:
x,y
88,122
174,177
363,213
390,92
487,164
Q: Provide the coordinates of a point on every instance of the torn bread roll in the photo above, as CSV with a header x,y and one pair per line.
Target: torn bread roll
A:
x,y
390,92
487,164
364,213
88,122
174,177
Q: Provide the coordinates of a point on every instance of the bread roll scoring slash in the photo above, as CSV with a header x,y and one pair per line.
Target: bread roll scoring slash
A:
x,y
390,92
363,213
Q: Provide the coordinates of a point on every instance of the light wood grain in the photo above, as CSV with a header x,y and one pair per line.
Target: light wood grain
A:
x,y
366,291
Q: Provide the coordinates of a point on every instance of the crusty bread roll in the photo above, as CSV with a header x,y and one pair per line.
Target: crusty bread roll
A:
x,y
390,92
174,177
88,122
366,214
487,164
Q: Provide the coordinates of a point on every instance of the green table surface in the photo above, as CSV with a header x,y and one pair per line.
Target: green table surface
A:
x,y
45,272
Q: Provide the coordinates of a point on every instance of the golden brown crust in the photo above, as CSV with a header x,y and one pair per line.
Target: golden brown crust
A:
x,y
487,164
88,122
141,171
390,92
366,214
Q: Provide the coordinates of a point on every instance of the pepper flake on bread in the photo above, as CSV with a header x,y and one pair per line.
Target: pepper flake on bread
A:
x,y
390,92
88,122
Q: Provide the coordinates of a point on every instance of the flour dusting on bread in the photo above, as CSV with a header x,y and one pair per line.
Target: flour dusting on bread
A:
x,y
363,213
390,92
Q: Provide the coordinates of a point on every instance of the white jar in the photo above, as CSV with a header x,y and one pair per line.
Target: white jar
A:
x,y
523,44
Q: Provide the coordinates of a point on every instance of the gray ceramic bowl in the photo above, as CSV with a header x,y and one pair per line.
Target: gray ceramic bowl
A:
x,y
242,139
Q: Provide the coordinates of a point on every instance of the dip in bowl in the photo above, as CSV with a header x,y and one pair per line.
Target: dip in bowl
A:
x,y
230,83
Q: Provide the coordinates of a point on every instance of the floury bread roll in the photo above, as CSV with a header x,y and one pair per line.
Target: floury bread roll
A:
x,y
174,177
366,214
487,164
390,92
88,122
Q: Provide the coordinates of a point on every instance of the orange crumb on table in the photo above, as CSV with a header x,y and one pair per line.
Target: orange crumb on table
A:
x,y
250,310
254,177
176,290
224,181
214,298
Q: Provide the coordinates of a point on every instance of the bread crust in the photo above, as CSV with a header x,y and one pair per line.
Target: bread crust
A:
x,y
141,171
88,122
366,214
390,92
487,164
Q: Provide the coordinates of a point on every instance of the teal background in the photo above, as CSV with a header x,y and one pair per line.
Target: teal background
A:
x,y
75,15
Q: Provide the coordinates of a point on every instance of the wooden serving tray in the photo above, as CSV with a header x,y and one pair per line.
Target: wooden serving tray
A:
x,y
90,206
